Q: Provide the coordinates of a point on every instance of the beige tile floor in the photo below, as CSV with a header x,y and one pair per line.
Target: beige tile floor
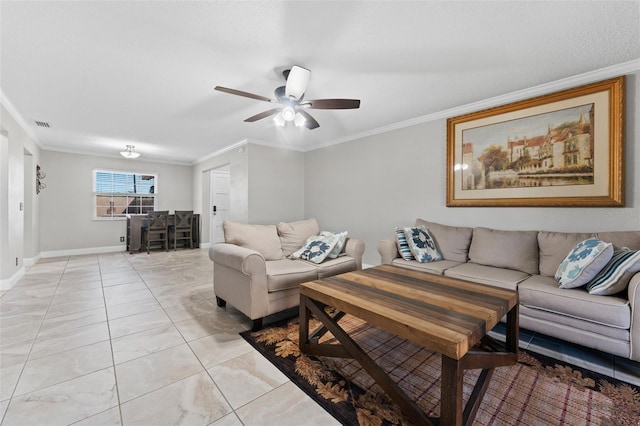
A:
x,y
119,339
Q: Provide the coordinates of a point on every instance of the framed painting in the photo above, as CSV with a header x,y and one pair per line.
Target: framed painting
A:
x,y
563,149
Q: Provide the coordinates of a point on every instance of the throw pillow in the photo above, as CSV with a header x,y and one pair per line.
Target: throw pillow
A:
x,y
451,241
316,249
403,246
342,239
615,276
583,262
421,244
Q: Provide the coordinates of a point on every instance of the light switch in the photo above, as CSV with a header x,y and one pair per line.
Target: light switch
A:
x,y
21,206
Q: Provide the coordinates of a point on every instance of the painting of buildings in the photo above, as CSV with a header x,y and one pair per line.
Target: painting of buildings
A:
x,y
549,149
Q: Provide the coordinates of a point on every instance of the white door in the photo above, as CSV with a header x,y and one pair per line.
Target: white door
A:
x,y
219,203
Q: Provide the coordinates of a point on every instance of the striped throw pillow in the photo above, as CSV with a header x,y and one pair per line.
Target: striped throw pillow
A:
x,y
615,276
403,246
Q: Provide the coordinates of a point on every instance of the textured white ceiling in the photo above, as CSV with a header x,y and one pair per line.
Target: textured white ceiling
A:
x,y
107,74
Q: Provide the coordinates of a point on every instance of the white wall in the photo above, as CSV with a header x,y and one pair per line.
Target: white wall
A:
x,y
4,210
379,182
266,185
66,209
13,191
276,185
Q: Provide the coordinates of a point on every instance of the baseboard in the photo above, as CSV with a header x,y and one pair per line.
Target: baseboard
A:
x,y
30,261
76,252
205,245
8,283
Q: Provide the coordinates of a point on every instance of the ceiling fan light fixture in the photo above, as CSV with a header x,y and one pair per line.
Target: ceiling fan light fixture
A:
x,y
279,120
299,120
288,113
130,152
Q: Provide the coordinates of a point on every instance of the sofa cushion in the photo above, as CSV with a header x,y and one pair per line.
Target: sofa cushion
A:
x,y
316,249
451,241
403,245
294,234
583,262
340,265
540,292
629,239
438,267
573,323
516,250
498,277
261,238
554,247
616,274
421,244
287,273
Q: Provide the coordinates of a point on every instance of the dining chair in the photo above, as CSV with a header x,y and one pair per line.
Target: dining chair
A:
x,y
156,229
182,228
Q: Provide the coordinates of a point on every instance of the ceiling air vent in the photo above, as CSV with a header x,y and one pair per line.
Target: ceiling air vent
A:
x,y
42,124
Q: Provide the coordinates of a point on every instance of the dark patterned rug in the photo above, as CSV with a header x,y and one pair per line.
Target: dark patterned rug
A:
x,y
536,391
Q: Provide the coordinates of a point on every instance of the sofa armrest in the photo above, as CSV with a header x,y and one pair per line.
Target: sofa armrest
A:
x,y
634,302
388,250
247,261
354,247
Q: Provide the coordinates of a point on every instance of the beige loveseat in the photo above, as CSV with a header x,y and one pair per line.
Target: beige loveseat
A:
x,y
253,270
527,262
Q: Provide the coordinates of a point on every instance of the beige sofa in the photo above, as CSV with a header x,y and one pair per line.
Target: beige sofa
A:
x,y
527,261
253,272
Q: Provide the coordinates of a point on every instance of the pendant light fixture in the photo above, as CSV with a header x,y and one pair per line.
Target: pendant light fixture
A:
x,y
130,152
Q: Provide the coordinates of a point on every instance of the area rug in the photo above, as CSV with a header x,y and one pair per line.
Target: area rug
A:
x,y
536,391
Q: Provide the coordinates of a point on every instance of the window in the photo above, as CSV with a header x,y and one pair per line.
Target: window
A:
x,y
117,194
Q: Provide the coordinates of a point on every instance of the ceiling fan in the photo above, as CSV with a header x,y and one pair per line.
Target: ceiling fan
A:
x,y
290,97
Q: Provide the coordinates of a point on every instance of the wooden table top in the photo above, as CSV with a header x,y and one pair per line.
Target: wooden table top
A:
x,y
444,314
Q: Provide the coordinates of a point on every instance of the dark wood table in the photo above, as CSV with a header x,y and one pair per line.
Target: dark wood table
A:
x,y
134,231
446,315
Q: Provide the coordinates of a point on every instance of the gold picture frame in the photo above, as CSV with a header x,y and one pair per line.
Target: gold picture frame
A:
x,y
564,149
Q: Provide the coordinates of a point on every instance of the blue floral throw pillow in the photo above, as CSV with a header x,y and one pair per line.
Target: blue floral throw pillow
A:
x,y
421,244
583,263
342,239
403,246
317,248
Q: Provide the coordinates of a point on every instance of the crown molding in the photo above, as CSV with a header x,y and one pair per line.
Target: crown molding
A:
x,y
18,117
624,68
221,151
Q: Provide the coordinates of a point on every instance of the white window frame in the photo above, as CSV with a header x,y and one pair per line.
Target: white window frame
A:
x,y
130,194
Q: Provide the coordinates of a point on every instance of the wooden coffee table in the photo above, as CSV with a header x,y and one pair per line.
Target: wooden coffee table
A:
x,y
446,315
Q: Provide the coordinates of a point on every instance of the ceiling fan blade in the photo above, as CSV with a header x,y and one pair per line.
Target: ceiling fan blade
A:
x,y
297,81
245,94
262,115
332,104
311,122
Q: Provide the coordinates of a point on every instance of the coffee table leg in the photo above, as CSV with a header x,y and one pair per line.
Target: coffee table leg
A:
x,y
304,321
513,331
451,392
